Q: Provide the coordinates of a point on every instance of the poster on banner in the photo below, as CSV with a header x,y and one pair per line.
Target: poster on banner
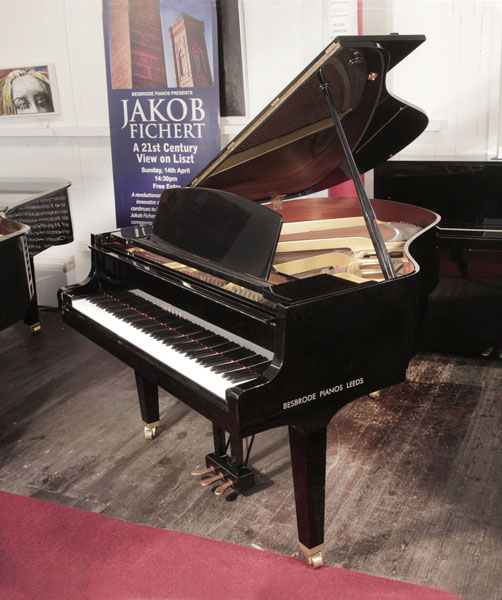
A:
x,y
163,98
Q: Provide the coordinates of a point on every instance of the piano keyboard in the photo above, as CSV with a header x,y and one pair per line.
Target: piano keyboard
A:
x,y
212,357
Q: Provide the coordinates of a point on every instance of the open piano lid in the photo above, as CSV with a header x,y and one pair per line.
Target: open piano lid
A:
x,y
291,148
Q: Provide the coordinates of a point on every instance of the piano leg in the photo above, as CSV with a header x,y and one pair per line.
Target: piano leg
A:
x,y
148,394
308,461
31,317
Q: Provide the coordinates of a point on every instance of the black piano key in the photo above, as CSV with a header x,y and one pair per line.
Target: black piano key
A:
x,y
165,335
155,312
240,375
209,346
200,337
227,367
103,301
254,363
188,347
181,332
124,295
219,353
119,309
154,331
135,319
238,354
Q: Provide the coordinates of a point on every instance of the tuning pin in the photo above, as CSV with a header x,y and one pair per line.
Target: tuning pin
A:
x,y
210,480
220,490
198,472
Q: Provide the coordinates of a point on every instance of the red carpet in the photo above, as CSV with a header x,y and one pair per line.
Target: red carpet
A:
x,y
51,552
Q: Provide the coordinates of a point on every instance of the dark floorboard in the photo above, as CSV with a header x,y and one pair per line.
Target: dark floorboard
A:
x,y
414,477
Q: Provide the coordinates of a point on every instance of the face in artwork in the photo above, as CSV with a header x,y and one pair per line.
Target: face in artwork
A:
x,y
31,95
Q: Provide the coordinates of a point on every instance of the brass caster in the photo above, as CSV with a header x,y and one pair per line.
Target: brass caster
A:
x,y
150,432
36,328
316,560
313,555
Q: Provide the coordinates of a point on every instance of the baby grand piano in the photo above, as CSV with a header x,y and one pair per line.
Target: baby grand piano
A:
x,y
255,332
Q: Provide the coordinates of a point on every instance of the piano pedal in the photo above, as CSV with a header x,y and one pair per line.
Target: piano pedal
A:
x,y
221,489
488,352
210,480
198,472
500,354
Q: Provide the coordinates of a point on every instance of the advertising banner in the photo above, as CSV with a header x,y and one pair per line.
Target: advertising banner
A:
x,y
163,98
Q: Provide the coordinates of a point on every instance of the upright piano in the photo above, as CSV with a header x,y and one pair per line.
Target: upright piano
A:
x,y
259,305
464,310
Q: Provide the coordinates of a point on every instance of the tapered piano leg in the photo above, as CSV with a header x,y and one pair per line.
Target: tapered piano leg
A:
x,y
148,395
308,460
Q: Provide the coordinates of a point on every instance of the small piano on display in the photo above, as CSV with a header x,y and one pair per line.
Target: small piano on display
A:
x,y
34,215
260,310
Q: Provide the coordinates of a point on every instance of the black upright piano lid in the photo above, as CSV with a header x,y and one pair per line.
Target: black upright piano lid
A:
x,y
223,228
291,148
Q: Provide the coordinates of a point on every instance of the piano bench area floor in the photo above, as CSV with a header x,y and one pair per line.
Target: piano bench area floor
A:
x,y
414,477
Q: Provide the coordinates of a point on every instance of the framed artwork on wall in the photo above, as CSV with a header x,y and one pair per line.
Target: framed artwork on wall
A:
x,y
28,90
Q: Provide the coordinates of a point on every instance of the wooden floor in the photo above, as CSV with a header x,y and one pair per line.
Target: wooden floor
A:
x,y
414,478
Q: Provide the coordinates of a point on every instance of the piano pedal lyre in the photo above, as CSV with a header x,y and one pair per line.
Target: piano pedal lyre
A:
x,y
239,478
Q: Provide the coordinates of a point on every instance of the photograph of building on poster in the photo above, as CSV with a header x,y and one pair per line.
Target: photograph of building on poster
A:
x,y
162,62
161,44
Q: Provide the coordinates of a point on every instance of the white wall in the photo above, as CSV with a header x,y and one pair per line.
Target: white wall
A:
x,y
454,76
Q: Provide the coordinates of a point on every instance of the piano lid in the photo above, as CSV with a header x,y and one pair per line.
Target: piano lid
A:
x,y
291,148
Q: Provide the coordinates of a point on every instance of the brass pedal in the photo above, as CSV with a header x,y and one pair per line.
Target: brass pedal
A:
x,y
221,489
198,472
210,480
